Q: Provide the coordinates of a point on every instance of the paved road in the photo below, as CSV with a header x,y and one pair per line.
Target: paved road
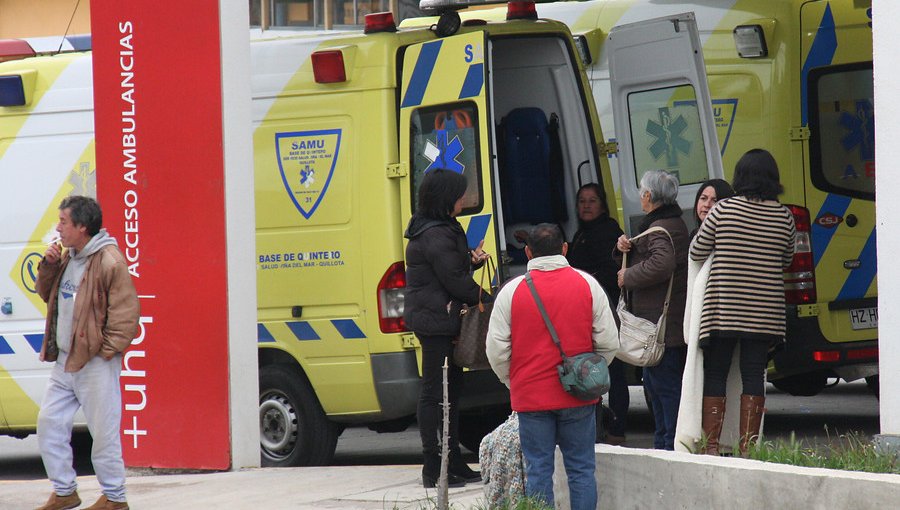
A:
x,y
842,408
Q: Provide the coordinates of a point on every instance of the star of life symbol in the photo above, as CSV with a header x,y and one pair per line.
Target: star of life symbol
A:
x,y
860,126
307,176
443,154
669,139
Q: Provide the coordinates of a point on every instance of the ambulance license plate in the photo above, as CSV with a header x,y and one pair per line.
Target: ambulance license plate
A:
x,y
864,318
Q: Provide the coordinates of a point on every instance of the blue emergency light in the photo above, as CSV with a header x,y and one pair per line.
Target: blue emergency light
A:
x,y
12,92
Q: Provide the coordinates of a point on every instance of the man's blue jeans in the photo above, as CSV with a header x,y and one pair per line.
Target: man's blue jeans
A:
x,y
574,430
663,384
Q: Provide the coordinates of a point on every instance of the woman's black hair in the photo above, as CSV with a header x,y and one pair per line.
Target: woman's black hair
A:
x,y
438,193
722,188
598,190
756,176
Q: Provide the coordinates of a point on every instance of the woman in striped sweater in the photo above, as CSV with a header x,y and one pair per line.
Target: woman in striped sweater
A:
x,y
751,239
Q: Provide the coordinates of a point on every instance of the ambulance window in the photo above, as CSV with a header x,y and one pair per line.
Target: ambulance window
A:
x,y
446,136
842,130
665,131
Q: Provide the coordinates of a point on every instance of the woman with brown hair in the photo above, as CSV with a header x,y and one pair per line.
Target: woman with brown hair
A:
x,y
750,238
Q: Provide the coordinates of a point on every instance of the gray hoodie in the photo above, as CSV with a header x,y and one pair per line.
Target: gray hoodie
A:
x,y
69,283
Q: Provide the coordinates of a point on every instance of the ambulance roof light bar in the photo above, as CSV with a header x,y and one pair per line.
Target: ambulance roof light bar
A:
x,y
14,49
521,9
439,6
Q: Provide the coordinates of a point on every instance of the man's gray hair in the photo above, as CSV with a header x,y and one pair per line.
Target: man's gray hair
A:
x,y
662,185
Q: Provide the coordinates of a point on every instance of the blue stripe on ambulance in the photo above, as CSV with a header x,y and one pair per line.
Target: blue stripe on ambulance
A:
x,y
474,81
821,236
477,229
263,334
302,330
421,75
820,54
348,328
35,340
860,279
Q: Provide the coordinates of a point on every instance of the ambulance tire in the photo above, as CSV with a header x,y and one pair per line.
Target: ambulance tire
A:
x,y
294,430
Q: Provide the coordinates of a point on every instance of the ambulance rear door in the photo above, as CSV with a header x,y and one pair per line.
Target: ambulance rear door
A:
x,y
662,109
445,123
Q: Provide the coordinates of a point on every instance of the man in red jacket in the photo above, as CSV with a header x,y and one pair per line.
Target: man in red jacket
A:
x,y
524,357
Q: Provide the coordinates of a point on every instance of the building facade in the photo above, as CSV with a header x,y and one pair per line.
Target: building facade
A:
x,y
27,18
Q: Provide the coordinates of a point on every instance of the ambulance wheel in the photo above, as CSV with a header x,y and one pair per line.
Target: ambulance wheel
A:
x,y
293,429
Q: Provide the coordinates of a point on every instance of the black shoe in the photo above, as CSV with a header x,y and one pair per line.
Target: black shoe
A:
x,y
453,481
462,470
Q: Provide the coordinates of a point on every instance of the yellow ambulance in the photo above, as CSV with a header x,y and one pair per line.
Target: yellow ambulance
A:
x,y
790,76
345,127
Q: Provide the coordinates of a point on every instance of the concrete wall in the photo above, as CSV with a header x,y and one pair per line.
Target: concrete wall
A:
x,y
636,478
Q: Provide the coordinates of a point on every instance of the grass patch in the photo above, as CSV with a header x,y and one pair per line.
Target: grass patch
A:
x,y
849,452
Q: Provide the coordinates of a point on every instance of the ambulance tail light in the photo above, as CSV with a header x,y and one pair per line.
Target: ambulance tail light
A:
x,y
328,66
799,277
521,9
391,290
380,22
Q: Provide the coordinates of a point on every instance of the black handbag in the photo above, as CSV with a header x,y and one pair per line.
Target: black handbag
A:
x,y
584,376
469,351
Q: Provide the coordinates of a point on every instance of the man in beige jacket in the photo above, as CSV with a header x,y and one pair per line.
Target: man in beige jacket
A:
x,y
92,316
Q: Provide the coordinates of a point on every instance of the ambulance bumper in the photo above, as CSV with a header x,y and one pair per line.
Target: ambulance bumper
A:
x,y
806,350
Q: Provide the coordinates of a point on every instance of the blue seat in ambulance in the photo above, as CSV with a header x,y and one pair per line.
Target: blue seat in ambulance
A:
x,y
531,174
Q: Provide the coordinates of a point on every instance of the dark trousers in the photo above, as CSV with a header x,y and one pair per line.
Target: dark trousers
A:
x,y
619,398
430,413
717,362
663,384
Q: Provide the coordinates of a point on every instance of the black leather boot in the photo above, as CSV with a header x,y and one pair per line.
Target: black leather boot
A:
x,y
431,470
458,467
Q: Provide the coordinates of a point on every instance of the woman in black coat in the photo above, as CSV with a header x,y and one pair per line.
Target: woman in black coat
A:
x,y
591,251
439,281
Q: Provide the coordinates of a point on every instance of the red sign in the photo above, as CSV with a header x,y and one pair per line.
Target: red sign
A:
x,y
158,116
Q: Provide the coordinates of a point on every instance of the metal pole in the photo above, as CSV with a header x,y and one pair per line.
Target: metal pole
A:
x,y
329,14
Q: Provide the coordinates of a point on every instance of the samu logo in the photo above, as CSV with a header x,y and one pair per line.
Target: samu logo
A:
x,y
306,160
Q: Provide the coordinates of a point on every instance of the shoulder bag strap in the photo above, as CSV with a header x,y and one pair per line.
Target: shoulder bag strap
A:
x,y
540,305
489,269
671,278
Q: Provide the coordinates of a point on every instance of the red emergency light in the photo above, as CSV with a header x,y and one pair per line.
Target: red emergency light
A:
x,y
380,22
521,9
13,49
328,66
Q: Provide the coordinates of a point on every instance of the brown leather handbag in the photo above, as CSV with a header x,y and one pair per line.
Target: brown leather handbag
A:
x,y
469,351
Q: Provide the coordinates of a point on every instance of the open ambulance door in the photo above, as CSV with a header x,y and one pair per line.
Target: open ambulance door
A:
x,y
445,123
662,109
